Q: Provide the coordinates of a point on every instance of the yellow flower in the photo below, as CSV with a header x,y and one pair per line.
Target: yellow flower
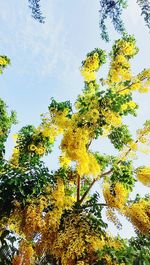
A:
x,y
131,104
15,136
120,58
2,61
88,75
32,147
15,157
143,175
135,86
40,150
127,48
64,161
46,132
26,254
143,89
115,197
96,242
112,118
92,62
133,146
139,215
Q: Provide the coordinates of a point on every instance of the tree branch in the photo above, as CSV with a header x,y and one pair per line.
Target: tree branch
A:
x,y
78,188
102,175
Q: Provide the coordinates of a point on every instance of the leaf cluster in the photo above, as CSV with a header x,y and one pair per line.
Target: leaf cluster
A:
x,y
124,173
17,184
36,12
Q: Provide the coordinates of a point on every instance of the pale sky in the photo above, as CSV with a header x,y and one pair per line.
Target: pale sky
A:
x,y
45,61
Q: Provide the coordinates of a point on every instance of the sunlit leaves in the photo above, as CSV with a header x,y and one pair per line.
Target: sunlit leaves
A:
x,y
57,216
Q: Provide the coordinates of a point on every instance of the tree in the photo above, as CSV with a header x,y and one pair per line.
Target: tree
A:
x,y
113,9
52,217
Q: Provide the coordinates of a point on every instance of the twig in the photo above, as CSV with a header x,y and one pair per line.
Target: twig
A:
x,y
78,188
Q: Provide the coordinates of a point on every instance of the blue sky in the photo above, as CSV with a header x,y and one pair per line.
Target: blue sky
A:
x,y
45,59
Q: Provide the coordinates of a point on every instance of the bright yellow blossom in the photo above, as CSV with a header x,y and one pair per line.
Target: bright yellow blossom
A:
x,y
143,175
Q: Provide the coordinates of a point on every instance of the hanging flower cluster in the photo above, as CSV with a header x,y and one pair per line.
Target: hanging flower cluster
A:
x,y
143,175
139,213
115,195
92,63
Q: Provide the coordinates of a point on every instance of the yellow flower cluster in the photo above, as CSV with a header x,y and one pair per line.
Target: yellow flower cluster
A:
x,y
115,196
143,175
78,241
107,259
32,218
96,243
111,216
143,81
92,62
40,150
64,161
126,48
50,129
113,242
131,104
88,75
60,119
133,146
112,118
72,243
74,146
3,61
142,143
89,67
60,199
144,138
74,143
120,69
29,220
15,157
26,254
139,214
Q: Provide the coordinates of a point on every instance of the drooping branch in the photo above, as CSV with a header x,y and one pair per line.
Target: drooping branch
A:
x,y
145,10
113,9
36,12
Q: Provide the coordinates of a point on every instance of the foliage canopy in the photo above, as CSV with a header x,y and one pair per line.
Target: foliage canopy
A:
x,y
52,217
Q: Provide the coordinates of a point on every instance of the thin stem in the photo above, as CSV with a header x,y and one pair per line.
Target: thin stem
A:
x,y
87,191
78,188
93,182
102,175
128,87
98,204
